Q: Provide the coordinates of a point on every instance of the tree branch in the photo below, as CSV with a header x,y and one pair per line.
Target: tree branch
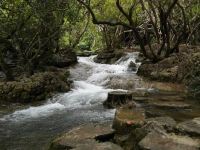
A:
x,y
99,22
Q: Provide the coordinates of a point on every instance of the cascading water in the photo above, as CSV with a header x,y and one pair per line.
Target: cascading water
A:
x,y
35,126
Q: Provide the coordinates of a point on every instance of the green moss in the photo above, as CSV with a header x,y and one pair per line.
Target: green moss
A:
x,y
38,87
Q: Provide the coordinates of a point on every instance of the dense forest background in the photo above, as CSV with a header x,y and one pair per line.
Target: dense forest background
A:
x,y
34,31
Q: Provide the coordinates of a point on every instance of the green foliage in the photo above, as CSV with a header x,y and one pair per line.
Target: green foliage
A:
x,y
32,31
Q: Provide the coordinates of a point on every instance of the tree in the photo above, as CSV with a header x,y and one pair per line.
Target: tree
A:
x,y
32,32
163,22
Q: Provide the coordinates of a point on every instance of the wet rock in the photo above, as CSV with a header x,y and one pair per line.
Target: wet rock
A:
x,y
132,66
126,119
117,98
191,127
170,104
87,136
164,141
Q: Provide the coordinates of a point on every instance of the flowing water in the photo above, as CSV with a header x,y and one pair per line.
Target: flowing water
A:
x,y
33,127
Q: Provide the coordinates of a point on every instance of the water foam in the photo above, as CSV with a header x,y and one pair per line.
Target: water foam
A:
x,y
84,93
35,112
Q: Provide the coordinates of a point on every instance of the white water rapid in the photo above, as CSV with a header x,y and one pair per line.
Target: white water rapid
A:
x,y
34,126
88,88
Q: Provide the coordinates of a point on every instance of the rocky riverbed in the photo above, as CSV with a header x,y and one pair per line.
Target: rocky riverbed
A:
x,y
138,113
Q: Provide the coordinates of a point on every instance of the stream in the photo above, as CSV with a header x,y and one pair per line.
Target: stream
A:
x,y
33,127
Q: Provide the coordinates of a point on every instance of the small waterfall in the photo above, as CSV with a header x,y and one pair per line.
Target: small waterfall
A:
x,y
81,105
88,88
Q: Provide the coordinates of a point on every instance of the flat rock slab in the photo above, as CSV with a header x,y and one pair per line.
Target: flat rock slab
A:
x,y
163,141
170,105
127,119
191,127
82,136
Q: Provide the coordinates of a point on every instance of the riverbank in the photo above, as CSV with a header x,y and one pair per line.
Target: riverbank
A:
x,y
149,114
36,126
144,118
183,67
38,87
48,80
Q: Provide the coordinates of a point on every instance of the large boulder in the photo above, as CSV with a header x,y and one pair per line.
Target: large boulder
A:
x,y
38,87
86,137
158,134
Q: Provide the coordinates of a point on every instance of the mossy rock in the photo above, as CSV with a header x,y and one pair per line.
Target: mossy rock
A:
x,y
38,87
